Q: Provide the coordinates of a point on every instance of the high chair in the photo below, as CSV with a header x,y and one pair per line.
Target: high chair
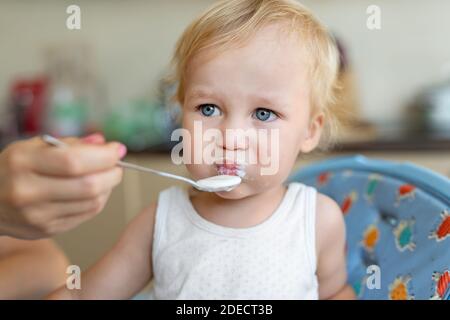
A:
x,y
397,217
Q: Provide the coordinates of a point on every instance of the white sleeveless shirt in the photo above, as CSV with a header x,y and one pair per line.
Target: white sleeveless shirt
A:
x,y
194,258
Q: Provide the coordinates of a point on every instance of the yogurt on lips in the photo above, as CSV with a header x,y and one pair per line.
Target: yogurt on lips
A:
x,y
230,169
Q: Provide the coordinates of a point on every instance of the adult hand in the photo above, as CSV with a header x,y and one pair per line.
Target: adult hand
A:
x,y
46,190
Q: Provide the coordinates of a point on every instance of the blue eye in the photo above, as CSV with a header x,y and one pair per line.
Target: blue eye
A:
x,y
209,110
265,114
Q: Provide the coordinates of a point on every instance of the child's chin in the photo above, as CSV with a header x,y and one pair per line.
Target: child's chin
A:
x,y
235,194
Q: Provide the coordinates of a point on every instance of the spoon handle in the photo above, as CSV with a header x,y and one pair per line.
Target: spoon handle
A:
x,y
58,143
161,173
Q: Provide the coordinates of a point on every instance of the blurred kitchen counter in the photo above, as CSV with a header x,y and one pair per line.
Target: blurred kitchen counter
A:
x,y
417,145
91,240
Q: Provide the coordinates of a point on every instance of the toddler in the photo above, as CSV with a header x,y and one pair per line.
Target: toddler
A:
x,y
264,66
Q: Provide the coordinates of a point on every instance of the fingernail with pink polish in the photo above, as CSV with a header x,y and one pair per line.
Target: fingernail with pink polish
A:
x,y
122,151
94,138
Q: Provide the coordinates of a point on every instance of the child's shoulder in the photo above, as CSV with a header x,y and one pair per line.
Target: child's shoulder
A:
x,y
330,225
327,206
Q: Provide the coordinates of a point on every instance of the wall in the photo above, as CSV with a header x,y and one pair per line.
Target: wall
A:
x,y
133,40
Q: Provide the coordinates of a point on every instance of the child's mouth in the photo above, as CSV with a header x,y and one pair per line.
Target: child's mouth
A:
x,y
231,169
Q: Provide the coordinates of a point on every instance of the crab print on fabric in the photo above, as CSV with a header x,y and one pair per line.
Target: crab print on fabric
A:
x,y
405,191
399,289
323,178
358,287
442,287
404,233
443,229
370,237
372,184
348,202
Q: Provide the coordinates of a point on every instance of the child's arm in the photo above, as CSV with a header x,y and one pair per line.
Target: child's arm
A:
x,y
30,269
330,245
124,270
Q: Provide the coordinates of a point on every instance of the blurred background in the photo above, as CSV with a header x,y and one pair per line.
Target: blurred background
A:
x,y
109,77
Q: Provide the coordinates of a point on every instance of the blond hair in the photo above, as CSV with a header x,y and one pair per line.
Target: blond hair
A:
x,y
232,22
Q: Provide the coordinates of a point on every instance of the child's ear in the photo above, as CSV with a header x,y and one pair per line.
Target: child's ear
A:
x,y
314,132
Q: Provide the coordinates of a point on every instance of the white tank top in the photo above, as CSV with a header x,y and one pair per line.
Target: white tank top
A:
x,y
194,258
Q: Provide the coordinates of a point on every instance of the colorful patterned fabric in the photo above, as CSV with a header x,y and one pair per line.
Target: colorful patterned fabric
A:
x,y
398,225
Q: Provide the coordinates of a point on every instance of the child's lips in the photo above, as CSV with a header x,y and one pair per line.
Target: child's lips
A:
x,y
228,162
232,169
229,166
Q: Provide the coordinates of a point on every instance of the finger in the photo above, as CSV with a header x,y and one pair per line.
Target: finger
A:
x,y
16,157
20,155
96,138
83,188
77,159
67,223
37,188
60,209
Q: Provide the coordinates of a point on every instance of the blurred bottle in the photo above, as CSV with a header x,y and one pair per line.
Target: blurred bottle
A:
x,y
141,125
75,103
146,123
27,104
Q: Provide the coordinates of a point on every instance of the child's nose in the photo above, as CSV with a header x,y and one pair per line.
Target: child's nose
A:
x,y
234,135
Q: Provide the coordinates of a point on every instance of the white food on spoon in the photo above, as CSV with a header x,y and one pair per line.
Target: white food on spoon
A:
x,y
219,183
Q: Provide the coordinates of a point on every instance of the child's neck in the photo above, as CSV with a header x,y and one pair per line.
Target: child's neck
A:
x,y
241,213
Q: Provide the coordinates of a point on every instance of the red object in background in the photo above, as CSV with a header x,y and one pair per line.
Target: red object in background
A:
x,y
28,103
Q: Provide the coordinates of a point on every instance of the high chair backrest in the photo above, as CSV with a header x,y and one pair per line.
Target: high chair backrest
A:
x,y
398,225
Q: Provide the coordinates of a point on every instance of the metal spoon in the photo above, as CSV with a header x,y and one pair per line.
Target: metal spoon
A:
x,y
211,184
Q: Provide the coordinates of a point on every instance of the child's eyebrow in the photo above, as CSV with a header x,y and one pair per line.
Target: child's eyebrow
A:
x,y
265,99
200,93
271,101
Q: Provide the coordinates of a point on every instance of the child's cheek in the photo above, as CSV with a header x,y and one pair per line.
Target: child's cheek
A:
x,y
269,156
277,163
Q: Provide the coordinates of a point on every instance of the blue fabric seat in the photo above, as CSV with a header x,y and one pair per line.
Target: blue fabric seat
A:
x,y
398,225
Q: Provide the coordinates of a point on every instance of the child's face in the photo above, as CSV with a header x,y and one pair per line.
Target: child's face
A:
x,y
256,88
